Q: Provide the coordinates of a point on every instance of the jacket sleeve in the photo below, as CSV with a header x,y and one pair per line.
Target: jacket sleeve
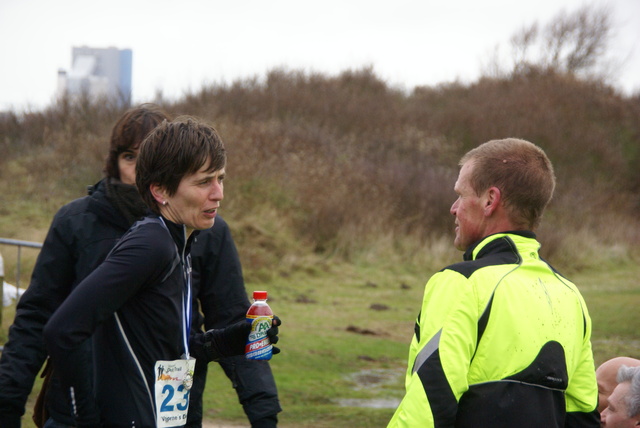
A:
x,y
24,353
134,262
222,297
217,277
582,392
439,355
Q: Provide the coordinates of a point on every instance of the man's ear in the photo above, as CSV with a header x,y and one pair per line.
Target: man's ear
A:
x,y
492,200
159,193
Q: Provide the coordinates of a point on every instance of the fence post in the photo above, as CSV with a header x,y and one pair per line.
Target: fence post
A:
x,y
19,244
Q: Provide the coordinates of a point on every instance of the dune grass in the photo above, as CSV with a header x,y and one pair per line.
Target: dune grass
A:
x,y
321,358
345,337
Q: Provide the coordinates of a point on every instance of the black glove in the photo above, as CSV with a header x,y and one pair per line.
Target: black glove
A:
x,y
272,334
231,340
226,342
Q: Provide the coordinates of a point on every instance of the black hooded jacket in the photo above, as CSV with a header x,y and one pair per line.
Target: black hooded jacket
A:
x,y
81,235
133,306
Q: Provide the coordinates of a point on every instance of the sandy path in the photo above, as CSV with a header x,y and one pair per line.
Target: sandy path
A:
x,y
214,424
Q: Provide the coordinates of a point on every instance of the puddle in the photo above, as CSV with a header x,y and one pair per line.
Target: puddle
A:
x,y
375,378
372,403
372,380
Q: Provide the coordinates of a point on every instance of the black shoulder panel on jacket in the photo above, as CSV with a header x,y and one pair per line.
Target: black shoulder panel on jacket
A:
x,y
502,251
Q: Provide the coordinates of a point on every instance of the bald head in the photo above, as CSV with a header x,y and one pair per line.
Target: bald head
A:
x,y
606,375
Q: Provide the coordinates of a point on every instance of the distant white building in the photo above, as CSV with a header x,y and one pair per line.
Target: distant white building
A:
x,y
98,73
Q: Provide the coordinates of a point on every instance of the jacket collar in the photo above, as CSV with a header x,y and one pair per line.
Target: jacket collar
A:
x,y
179,234
103,209
492,243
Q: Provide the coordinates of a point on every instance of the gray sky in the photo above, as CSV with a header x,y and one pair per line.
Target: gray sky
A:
x,y
180,45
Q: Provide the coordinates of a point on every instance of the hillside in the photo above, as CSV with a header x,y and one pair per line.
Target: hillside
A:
x,y
349,167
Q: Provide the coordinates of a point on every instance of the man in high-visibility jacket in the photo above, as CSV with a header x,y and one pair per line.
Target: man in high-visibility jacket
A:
x,y
502,339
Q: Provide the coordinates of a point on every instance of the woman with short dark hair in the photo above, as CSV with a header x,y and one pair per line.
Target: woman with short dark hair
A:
x,y
137,304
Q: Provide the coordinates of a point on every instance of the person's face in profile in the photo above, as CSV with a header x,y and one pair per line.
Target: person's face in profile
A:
x,y
615,415
468,210
196,201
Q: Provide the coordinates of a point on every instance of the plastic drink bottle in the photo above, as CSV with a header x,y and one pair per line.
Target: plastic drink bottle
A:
x,y
260,316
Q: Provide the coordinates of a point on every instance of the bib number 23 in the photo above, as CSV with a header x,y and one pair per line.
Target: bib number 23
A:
x,y
173,381
168,403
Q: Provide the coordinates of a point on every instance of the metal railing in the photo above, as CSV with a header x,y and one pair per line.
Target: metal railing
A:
x,y
19,244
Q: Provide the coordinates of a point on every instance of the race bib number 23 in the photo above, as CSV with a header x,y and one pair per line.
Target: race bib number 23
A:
x,y
173,382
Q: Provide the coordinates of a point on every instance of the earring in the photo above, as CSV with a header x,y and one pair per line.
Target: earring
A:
x,y
164,203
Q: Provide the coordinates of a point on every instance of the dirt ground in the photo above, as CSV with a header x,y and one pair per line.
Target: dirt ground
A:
x,y
214,424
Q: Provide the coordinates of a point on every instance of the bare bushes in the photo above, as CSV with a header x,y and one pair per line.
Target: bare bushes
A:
x,y
50,156
347,165
352,164
341,191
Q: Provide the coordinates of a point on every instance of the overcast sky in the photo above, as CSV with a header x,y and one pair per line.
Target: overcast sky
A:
x,y
179,45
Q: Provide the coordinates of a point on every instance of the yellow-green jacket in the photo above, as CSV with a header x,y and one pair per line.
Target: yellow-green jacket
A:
x,y
502,340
